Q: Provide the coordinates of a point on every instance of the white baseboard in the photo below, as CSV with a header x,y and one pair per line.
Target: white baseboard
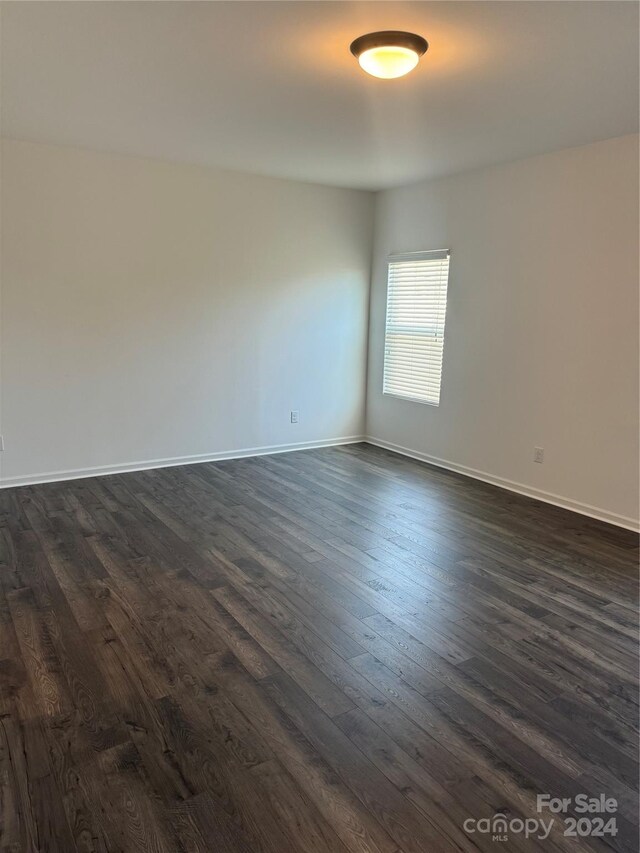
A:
x,y
105,470
501,482
511,486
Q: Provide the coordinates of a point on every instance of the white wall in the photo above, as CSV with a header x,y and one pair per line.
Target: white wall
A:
x,y
541,343
153,310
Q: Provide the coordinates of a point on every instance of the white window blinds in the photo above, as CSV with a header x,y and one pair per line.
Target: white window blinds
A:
x,y
414,335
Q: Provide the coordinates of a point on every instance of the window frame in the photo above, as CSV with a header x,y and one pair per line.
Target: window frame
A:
x,y
428,254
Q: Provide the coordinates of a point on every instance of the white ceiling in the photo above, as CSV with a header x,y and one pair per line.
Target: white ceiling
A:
x,y
270,87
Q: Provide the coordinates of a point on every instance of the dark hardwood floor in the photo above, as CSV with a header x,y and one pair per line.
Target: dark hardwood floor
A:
x,y
331,650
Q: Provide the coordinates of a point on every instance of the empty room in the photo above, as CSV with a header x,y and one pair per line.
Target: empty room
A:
x,y
319,464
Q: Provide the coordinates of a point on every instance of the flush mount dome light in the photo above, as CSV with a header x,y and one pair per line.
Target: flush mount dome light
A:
x,y
388,54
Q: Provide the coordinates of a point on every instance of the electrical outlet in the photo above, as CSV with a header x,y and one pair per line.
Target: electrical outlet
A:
x,y
538,454
295,416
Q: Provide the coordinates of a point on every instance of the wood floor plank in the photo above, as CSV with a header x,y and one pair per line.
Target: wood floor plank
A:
x,y
331,651
370,786
419,786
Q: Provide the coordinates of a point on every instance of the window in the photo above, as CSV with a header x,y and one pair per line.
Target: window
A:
x,y
414,335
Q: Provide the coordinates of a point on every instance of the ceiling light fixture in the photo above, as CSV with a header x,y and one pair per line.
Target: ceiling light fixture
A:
x,y
389,53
